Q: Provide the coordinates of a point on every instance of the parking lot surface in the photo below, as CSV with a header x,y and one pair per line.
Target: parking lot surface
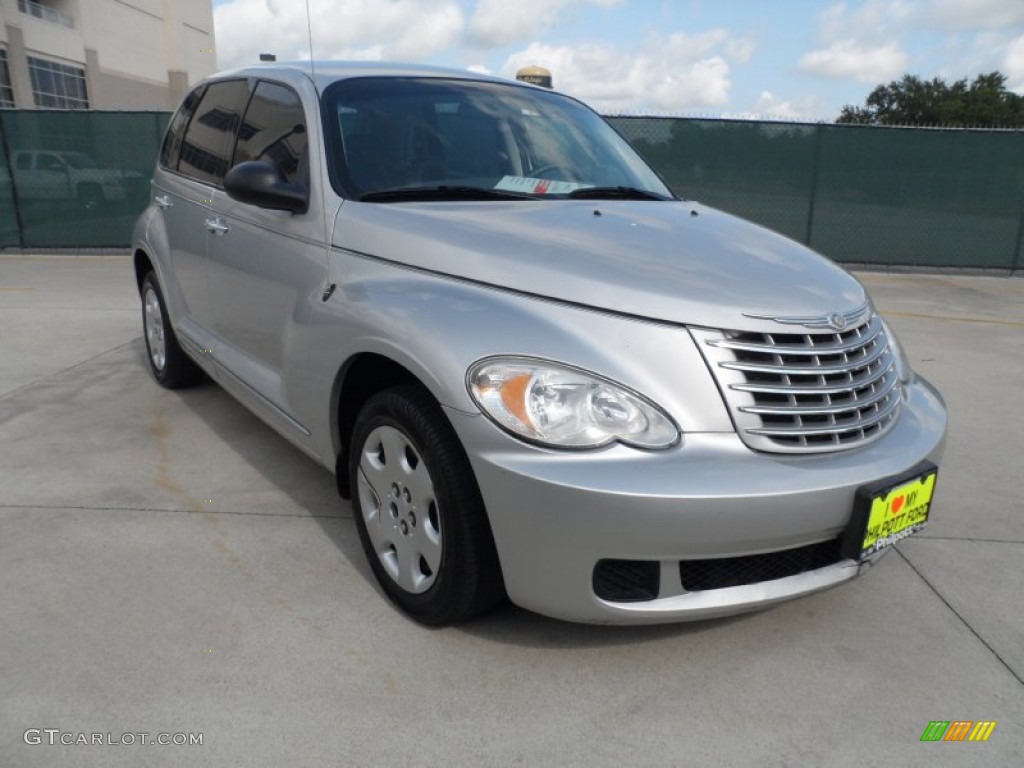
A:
x,y
169,565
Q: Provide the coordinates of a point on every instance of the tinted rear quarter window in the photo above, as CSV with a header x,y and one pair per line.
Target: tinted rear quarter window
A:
x,y
210,138
176,130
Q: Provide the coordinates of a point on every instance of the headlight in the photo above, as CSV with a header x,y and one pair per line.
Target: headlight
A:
x,y
903,369
563,407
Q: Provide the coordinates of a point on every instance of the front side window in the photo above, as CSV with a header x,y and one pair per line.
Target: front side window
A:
x,y
390,133
274,130
210,137
57,86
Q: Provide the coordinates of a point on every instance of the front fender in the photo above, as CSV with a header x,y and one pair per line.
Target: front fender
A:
x,y
436,327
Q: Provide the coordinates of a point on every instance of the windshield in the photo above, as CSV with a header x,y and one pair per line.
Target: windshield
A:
x,y
410,135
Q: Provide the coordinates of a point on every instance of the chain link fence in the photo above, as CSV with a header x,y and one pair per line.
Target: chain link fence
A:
x,y
899,196
71,179
867,195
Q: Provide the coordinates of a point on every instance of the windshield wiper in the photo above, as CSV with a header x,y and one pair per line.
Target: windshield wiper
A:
x,y
443,192
615,193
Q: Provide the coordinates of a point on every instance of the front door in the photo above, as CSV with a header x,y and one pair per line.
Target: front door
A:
x,y
266,266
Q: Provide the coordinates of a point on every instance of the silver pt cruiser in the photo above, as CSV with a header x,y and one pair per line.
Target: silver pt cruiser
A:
x,y
535,371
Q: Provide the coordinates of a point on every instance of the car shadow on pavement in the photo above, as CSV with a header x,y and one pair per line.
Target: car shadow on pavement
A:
x,y
309,489
511,625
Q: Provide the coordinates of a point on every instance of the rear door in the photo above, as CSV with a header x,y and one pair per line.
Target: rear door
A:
x,y
193,171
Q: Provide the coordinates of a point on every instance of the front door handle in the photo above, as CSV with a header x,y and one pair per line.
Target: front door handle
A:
x,y
217,226
164,201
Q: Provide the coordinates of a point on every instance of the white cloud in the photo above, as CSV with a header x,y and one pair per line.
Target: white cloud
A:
x,y
969,14
501,22
860,42
398,29
850,59
865,40
673,72
1013,65
739,50
768,105
681,72
867,21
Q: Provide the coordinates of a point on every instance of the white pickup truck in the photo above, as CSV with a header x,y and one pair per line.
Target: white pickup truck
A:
x,y
50,175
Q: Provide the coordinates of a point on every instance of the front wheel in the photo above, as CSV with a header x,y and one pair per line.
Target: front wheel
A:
x,y
419,512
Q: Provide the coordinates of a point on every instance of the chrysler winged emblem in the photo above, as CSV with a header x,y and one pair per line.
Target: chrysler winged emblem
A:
x,y
835,321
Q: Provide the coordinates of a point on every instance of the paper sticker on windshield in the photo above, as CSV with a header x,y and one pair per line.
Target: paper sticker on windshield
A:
x,y
538,186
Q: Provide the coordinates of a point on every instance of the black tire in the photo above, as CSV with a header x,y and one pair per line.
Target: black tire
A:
x,y
467,578
172,369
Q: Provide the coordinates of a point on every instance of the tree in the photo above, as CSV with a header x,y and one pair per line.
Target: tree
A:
x,y
912,101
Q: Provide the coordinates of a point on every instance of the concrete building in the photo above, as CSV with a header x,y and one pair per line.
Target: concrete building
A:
x,y
103,54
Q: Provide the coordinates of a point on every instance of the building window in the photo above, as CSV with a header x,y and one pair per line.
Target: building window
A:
x,y
57,86
40,11
6,92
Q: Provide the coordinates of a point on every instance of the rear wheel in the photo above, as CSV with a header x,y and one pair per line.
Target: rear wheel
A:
x,y
419,512
171,367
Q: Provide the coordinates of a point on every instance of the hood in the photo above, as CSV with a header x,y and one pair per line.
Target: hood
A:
x,y
672,261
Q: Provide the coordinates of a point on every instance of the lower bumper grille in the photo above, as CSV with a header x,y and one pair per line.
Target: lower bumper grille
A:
x,y
698,575
627,581
632,581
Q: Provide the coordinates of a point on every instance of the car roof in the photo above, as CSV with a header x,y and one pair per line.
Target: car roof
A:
x,y
323,73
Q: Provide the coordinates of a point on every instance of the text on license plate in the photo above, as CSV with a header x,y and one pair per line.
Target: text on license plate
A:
x,y
897,512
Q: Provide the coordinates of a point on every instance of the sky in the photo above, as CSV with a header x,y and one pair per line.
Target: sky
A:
x,y
786,59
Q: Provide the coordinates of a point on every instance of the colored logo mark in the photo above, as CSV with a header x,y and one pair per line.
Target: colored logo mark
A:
x,y
958,730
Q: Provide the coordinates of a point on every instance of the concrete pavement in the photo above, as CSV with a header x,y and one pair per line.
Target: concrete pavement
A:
x,y
170,565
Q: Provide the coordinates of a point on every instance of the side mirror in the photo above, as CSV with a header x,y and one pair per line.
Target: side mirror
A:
x,y
260,183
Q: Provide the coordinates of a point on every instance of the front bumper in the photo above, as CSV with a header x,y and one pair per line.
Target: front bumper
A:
x,y
556,514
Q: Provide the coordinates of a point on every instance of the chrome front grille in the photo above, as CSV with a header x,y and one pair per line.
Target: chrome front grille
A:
x,y
806,392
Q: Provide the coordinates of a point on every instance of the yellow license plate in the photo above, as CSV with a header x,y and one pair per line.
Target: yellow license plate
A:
x,y
898,509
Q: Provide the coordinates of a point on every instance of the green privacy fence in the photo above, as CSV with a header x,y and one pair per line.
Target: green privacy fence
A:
x,y
75,179
857,194
928,197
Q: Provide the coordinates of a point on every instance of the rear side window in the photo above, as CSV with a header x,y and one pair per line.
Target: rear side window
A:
x,y
274,131
210,137
176,131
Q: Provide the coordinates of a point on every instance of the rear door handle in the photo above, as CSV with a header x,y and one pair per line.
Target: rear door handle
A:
x,y
164,201
217,226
